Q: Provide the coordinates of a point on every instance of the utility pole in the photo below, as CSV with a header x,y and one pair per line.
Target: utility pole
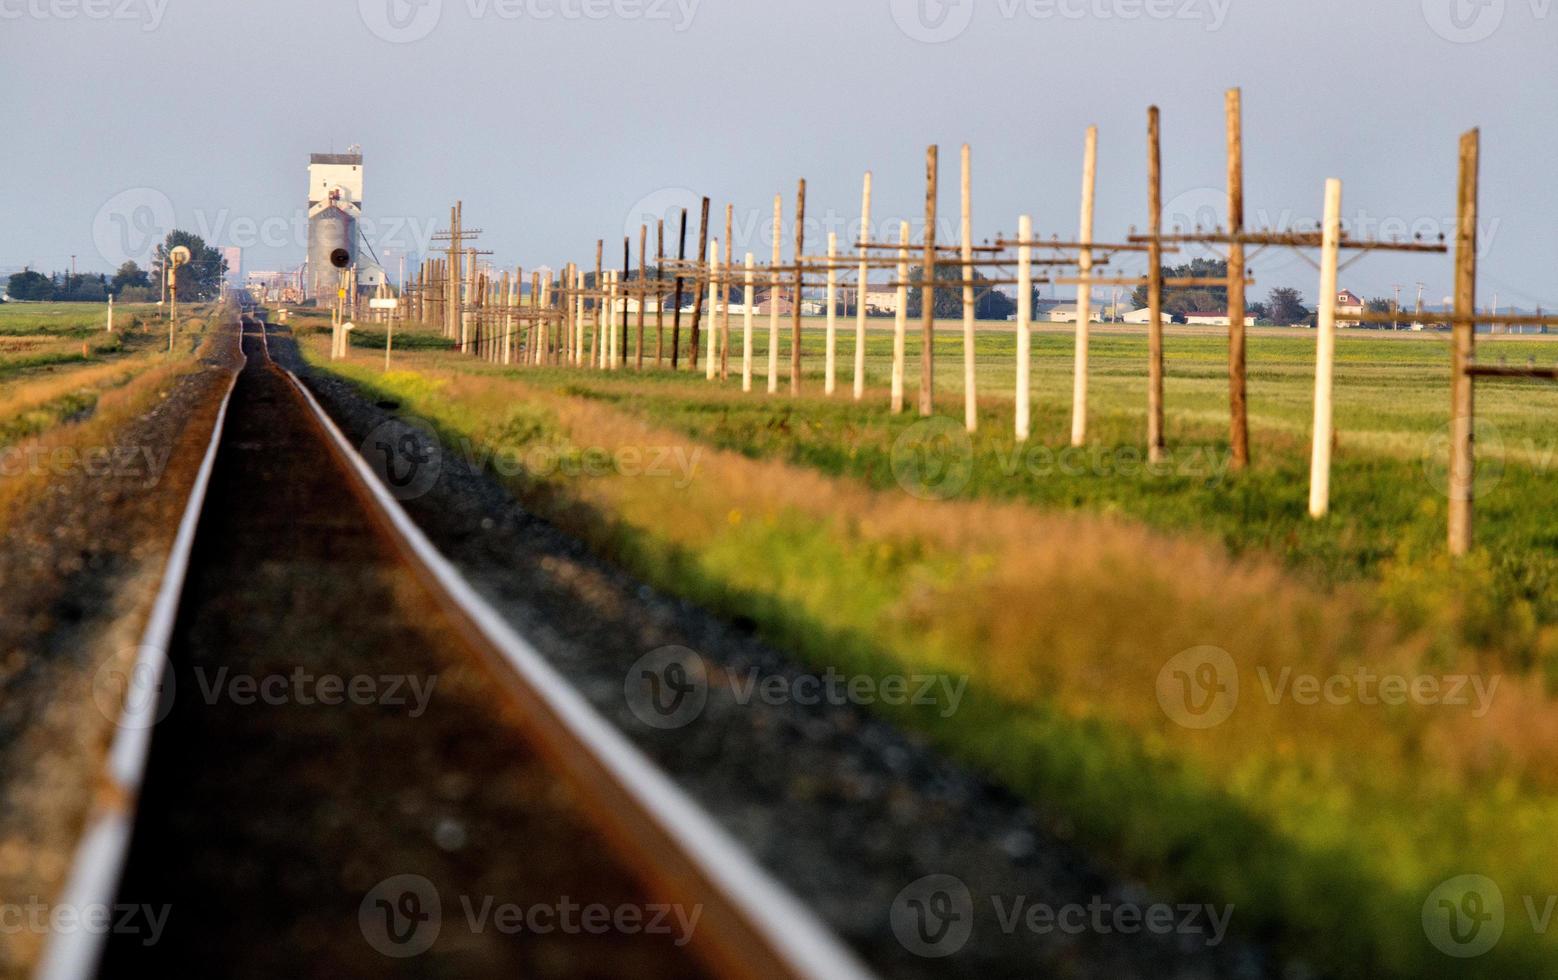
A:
x,y
1239,425
459,252
1395,307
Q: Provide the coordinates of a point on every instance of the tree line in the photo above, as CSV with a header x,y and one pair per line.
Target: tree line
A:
x,y
201,279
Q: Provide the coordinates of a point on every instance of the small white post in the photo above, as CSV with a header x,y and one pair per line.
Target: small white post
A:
x,y
110,312
901,318
746,328
714,294
578,318
860,291
830,362
609,353
970,399
1084,291
1024,321
1325,353
773,302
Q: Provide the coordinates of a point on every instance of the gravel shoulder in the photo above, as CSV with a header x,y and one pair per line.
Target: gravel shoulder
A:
x,y
79,571
924,867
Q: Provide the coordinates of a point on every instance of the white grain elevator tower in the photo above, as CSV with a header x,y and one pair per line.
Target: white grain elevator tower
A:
x,y
334,211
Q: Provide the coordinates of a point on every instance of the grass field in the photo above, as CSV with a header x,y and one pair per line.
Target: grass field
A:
x,y
57,359
1070,590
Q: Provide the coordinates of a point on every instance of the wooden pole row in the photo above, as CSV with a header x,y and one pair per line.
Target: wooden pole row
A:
x,y
448,290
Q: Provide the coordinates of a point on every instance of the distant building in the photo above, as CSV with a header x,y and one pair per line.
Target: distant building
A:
x,y
1348,304
234,256
881,299
780,303
1209,318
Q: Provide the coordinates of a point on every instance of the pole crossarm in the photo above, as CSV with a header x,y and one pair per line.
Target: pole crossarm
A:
x,y
1300,239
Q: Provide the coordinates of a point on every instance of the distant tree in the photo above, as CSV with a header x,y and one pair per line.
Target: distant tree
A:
x,y
129,274
1185,301
1260,311
1203,298
1286,306
28,284
949,299
137,294
83,287
202,278
992,304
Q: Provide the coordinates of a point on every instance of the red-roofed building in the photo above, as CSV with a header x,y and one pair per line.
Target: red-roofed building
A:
x,y
1348,304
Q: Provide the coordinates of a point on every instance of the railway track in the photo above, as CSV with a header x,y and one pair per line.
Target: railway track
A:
x,y
353,766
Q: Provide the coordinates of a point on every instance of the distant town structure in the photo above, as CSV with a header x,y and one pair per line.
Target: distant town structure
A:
x,y
234,256
335,199
1348,304
881,299
1213,318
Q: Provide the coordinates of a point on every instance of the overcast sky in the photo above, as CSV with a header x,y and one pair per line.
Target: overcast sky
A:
x,y
562,121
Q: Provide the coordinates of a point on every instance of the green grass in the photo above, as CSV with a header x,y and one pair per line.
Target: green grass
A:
x,y
70,319
1388,508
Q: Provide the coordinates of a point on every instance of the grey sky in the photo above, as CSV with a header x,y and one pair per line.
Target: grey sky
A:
x,y
553,129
